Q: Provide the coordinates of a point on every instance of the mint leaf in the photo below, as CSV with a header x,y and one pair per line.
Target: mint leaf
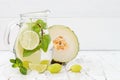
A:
x,y
30,52
27,53
12,61
41,23
45,42
14,65
18,61
36,28
23,70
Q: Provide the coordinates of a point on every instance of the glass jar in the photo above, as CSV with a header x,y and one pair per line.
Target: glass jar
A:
x,y
30,40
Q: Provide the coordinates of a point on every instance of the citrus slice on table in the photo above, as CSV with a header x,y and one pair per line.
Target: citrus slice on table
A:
x,y
38,67
29,40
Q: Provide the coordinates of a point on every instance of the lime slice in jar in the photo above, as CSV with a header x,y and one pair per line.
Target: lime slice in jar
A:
x,y
44,62
29,40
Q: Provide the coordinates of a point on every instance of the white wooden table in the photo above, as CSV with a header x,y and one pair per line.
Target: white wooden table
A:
x,y
108,59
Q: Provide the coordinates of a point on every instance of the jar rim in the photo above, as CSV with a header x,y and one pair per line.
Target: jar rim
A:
x,y
43,13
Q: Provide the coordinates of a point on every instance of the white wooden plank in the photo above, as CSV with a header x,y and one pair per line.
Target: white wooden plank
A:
x,y
62,7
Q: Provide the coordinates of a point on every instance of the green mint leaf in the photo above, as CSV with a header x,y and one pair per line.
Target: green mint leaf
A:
x,y
20,64
27,53
23,70
45,42
42,24
12,61
18,61
36,28
14,65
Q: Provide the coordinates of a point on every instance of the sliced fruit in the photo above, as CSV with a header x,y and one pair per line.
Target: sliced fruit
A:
x,y
55,68
38,67
41,68
34,58
29,40
44,62
65,43
75,68
18,48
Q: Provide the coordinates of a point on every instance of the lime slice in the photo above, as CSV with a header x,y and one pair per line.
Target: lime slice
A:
x,y
44,62
29,40
38,67
41,68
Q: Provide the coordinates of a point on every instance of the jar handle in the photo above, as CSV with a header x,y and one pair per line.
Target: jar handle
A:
x,y
8,31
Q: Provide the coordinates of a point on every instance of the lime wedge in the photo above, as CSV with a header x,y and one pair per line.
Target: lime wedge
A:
x,y
38,67
44,62
29,40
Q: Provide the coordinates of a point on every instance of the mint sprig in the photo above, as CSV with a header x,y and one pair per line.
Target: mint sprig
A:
x,y
17,63
39,26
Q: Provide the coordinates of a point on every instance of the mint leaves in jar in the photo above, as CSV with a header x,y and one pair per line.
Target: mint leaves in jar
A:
x,y
35,39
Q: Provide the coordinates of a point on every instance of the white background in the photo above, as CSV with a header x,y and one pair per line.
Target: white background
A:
x,y
101,8
96,22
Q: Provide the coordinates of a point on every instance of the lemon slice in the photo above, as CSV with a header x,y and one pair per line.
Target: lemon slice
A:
x,y
29,40
38,67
